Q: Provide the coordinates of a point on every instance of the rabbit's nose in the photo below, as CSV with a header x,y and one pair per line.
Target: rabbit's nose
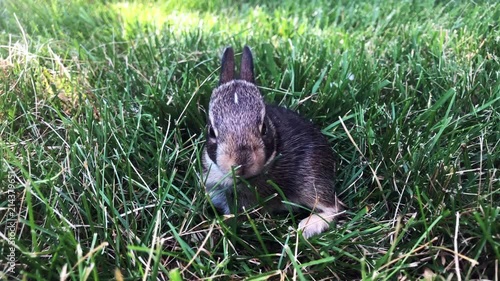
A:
x,y
243,155
243,148
243,160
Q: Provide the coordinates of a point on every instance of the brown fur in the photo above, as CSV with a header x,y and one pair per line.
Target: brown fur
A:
x,y
262,144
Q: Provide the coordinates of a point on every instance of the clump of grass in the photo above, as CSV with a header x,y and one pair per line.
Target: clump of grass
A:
x,y
102,110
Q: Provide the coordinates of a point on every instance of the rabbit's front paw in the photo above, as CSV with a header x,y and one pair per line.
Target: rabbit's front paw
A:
x,y
312,225
317,223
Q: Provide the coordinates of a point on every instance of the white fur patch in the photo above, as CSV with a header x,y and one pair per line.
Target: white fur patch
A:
x,y
236,97
215,175
217,183
312,225
317,223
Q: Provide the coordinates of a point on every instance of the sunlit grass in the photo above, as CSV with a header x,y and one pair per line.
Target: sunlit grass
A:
x,y
158,15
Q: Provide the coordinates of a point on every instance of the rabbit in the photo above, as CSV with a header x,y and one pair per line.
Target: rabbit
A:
x,y
263,144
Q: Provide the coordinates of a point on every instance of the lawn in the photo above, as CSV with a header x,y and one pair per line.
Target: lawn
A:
x,y
102,125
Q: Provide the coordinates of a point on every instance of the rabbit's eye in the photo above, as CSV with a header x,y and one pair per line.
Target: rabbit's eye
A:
x,y
211,132
264,129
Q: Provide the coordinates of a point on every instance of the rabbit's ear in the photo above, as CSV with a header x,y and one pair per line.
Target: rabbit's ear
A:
x,y
227,68
246,72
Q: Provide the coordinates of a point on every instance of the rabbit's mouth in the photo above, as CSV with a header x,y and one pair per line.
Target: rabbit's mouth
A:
x,y
247,171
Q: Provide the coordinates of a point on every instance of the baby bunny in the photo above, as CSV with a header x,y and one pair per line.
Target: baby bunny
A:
x,y
258,153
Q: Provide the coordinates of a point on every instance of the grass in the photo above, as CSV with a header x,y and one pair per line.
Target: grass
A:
x,y
102,110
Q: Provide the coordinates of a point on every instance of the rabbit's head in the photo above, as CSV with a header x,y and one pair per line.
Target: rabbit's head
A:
x,y
239,135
